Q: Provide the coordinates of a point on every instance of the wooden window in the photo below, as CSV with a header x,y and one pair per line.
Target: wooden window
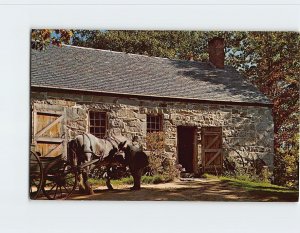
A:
x,y
98,123
154,123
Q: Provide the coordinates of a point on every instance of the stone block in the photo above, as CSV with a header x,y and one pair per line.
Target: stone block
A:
x,y
117,123
142,117
125,113
166,116
262,125
133,123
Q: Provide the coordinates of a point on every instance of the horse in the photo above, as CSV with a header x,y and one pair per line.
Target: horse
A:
x,y
136,159
110,152
86,147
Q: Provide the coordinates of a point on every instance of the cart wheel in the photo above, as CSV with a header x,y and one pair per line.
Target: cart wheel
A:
x,y
36,175
60,180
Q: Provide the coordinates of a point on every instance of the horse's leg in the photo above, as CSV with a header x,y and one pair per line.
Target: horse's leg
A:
x,y
85,175
80,181
87,186
137,175
108,184
81,184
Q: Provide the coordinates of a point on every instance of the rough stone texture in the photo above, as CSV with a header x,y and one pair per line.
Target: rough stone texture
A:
x,y
247,130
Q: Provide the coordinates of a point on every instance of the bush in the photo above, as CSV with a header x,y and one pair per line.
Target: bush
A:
x,y
245,167
116,173
286,169
160,164
156,179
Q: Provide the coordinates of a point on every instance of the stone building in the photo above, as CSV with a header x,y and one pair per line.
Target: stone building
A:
x,y
207,111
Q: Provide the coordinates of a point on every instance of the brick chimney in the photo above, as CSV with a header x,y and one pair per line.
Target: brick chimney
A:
x,y
216,52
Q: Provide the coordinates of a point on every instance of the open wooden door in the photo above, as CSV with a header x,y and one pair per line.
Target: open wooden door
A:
x,y
49,131
212,153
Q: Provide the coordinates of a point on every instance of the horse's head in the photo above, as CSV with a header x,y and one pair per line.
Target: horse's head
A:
x,y
125,144
134,155
124,148
116,157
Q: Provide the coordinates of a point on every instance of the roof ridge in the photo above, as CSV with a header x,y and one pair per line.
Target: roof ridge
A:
x,y
134,54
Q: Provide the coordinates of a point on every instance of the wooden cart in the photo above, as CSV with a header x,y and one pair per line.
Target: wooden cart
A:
x,y
54,177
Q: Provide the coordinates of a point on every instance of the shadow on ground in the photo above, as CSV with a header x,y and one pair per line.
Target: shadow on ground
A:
x,y
198,190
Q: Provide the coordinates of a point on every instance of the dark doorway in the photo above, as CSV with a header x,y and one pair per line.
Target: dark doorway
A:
x,y
186,139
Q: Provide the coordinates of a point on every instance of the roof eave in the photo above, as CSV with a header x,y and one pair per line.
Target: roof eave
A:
x,y
152,97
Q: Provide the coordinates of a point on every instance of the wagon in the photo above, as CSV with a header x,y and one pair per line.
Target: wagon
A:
x,y
55,177
52,176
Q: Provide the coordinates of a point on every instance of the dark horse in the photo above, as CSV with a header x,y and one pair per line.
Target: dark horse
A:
x,y
109,152
136,159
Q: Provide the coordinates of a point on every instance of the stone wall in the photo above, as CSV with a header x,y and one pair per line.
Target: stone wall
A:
x,y
247,130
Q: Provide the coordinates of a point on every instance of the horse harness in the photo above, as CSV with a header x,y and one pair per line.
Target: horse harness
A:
x,y
109,139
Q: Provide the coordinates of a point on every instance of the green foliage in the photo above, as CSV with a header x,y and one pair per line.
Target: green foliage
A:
x,y
243,165
156,179
170,44
116,182
259,190
286,171
249,177
116,172
159,162
252,185
256,185
270,60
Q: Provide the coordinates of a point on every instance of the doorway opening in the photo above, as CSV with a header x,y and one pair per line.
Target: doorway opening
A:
x,y
187,148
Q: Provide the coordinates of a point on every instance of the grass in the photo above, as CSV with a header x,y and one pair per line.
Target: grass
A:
x,y
259,188
156,179
101,182
251,185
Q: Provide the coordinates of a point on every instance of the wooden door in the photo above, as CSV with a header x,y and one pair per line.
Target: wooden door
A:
x,y
187,152
212,153
48,130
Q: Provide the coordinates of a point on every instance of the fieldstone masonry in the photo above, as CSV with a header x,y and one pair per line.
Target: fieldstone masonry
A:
x,y
247,130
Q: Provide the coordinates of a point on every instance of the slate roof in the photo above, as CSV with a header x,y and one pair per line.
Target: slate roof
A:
x,y
70,67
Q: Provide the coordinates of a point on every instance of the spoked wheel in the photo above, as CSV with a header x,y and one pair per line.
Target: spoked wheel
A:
x,y
35,175
60,180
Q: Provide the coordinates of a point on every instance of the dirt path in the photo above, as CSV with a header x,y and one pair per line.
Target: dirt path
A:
x,y
192,190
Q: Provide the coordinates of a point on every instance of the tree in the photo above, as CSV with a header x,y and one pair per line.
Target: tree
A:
x,y
271,61
169,44
40,38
